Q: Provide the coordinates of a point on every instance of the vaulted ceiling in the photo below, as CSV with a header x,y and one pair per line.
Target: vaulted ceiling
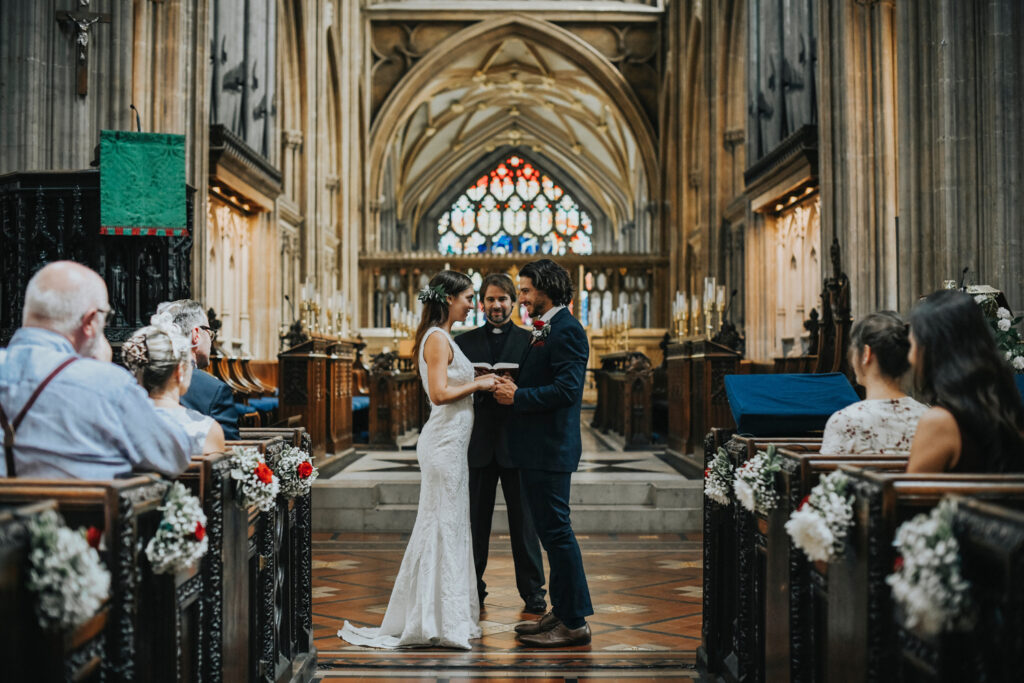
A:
x,y
537,95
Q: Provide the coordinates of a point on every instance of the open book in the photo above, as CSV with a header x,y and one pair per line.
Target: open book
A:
x,y
506,369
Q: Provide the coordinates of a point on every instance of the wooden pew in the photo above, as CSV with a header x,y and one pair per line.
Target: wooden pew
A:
x,y
625,383
279,573
397,401
785,600
726,647
860,643
28,652
991,541
165,645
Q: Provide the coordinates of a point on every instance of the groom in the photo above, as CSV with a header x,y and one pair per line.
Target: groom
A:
x,y
544,435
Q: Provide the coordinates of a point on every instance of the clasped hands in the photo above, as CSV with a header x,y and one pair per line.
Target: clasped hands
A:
x,y
503,388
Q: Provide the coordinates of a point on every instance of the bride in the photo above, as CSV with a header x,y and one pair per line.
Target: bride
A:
x,y
434,601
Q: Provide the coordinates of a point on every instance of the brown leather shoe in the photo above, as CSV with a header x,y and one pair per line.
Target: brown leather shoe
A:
x,y
560,636
545,623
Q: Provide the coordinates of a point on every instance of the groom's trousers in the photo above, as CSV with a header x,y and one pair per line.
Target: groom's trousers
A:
x,y
547,495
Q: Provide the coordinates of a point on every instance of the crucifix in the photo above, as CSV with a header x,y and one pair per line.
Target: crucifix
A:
x,y
82,21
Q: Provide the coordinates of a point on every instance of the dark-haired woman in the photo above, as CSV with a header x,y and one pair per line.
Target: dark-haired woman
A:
x,y
976,420
884,422
434,601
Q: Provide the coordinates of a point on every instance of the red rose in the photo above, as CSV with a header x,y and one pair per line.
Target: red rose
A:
x,y
305,469
93,536
804,502
264,473
539,324
898,563
707,472
200,532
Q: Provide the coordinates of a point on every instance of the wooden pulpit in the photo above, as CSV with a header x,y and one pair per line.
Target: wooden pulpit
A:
x,y
340,362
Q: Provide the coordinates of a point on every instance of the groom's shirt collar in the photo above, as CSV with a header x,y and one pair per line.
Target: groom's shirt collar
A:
x,y
551,313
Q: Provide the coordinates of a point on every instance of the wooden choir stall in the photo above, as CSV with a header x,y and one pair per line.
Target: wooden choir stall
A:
x,y
316,385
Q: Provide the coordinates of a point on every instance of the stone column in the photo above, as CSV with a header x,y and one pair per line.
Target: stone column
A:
x,y
858,162
961,145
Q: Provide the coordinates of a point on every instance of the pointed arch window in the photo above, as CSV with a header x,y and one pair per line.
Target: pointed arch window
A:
x,y
515,209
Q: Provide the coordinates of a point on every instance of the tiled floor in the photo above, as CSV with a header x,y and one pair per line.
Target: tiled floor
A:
x,y
646,591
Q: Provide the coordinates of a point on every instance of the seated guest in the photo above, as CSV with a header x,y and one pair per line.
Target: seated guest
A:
x,y
160,358
976,420
207,394
884,422
91,420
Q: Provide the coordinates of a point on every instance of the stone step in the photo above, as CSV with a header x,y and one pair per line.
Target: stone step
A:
x,y
597,507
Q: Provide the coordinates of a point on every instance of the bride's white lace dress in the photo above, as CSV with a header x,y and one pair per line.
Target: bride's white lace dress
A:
x,y
434,601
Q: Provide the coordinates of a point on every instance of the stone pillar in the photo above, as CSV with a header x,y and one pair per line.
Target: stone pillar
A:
x,y
858,162
961,145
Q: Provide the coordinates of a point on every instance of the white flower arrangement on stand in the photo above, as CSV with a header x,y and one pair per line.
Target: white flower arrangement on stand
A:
x,y
927,582
66,574
255,483
718,478
820,525
180,540
755,482
1004,326
296,471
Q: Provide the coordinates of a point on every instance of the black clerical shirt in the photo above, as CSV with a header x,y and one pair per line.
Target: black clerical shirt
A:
x,y
496,338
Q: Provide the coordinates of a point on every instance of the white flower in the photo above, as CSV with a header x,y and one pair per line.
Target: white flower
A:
x,y
811,534
1018,363
718,478
1003,324
289,468
1003,314
250,488
744,494
1008,355
981,298
180,540
65,573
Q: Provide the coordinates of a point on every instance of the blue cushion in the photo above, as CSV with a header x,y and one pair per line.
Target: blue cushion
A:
x,y
360,403
243,409
264,405
786,405
1020,384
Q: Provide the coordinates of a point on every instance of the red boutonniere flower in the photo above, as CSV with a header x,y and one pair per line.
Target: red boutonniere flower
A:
x,y
200,532
541,330
305,469
93,536
264,473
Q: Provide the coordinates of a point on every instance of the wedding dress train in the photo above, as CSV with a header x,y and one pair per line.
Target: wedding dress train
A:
x,y
434,601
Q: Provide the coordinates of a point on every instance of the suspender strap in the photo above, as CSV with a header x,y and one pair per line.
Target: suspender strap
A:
x,y
11,427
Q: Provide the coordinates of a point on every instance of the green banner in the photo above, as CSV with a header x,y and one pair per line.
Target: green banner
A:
x,y
142,184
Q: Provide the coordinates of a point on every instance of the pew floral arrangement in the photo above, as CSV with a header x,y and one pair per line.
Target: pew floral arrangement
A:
x,y
296,471
66,575
718,478
255,483
180,540
927,583
755,482
819,526
1004,325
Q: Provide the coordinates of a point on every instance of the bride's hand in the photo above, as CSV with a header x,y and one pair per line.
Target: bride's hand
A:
x,y
486,382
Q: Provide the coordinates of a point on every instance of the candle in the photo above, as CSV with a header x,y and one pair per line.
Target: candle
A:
x,y
720,300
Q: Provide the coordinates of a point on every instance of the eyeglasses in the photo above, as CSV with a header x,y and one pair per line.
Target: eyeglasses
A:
x,y
210,331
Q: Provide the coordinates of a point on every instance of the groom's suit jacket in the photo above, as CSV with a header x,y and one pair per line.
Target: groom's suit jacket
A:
x,y
544,433
488,441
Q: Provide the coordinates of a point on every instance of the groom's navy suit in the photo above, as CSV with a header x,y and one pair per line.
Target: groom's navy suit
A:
x,y
544,438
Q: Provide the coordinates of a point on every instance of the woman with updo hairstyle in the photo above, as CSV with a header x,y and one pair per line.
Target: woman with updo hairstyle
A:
x,y
885,421
976,420
161,360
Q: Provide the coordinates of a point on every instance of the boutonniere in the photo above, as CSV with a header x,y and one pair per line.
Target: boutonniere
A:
x,y
541,330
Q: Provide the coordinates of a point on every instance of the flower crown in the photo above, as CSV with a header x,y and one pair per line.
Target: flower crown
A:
x,y
435,293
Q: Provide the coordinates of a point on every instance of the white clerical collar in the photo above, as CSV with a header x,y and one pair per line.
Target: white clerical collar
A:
x,y
551,313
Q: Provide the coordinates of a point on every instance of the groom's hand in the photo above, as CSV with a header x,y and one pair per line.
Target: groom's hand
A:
x,y
505,392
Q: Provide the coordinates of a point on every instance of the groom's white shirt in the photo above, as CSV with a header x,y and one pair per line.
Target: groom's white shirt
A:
x,y
552,312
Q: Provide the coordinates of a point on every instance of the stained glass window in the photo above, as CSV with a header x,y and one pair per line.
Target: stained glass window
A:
x,y
515,209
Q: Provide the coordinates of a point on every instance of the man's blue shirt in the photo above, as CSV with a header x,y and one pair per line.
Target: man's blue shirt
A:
x,y
93,421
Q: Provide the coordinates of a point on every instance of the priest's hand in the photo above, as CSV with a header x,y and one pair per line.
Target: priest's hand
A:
x,y
505,392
